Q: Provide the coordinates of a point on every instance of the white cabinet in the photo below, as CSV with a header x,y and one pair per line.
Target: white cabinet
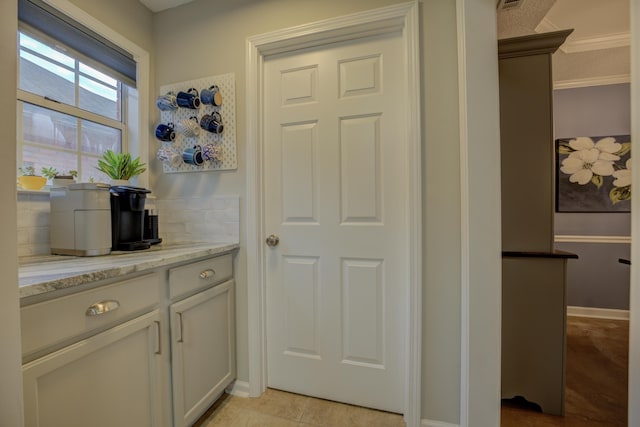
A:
x,y
110,379
151,350
202,339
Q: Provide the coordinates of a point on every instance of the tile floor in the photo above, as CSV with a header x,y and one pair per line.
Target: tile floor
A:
x,y
596,392
281,409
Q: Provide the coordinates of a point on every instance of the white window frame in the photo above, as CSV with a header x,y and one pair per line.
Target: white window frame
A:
x,y
40,100
137,113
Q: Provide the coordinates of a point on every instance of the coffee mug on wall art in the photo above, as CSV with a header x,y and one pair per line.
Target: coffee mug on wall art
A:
x,y
193,156
211,96
188,127
167,102
211,152
188,99
165,132
169,156
212,123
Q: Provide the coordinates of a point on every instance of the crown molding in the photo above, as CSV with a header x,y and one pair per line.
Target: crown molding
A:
x,y
586,44
592,81
531,44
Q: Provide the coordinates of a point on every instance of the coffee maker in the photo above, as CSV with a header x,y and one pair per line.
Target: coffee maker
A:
x,y
127,218
80,220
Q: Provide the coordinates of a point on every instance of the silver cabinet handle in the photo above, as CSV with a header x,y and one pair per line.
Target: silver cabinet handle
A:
x,y
102,307
210,272
158,342
180,327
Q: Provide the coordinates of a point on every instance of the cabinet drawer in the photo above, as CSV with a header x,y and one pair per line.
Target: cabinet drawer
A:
x,y
59,320
191,277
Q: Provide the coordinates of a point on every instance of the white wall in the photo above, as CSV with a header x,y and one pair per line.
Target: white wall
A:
x,y
199,39
10,373
480,222
441,208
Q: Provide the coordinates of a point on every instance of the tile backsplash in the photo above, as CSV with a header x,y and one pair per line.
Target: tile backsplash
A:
x,y
33,223
201,219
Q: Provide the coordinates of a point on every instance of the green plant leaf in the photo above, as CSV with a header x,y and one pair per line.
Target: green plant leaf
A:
x,y
618,194
120,165
564,149
49,172
597,180
626,147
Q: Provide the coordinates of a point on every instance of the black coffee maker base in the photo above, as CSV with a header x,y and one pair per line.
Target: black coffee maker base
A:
x,y
132,246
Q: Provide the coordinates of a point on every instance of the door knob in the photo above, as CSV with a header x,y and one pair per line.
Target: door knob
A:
x,y
273,240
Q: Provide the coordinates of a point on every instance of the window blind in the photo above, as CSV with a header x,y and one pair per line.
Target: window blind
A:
x,y
51,22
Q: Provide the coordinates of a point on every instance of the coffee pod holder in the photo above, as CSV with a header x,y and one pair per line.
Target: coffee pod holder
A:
x,y
225,141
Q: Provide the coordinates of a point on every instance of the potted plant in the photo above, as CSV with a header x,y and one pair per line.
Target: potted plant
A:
x,y
120,167
59,179
29,180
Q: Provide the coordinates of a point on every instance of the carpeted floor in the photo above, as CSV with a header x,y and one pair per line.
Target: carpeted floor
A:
x,y
596,379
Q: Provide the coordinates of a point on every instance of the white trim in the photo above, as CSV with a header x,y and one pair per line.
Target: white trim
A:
x,y
143,67
464,216
480,249
634,298
433,423
598,313
592,81
585,44
238,388
401,17
413,397
561,238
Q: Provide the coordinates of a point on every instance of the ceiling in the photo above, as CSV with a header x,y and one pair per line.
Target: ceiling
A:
x,y
598,49
596,52
160,5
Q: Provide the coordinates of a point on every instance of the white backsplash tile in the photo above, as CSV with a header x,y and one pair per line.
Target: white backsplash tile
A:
x,y
199,219
33,224
203,219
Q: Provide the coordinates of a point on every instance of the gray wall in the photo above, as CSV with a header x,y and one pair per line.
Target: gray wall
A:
x,y
223,30
596,279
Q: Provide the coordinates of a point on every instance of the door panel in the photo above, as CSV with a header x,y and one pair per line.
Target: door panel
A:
x,y
298,173
336,187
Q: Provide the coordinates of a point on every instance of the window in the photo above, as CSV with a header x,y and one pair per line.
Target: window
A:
x,y
73,88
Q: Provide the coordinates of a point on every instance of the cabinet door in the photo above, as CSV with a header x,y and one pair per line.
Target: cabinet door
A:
x,y
110,379
203,350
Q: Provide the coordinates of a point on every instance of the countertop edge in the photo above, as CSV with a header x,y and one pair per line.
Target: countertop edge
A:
x,y
48,276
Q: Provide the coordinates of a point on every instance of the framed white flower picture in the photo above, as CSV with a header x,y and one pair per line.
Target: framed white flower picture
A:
x,y
593,174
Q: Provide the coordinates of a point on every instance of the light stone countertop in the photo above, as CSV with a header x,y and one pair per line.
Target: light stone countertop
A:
x,y
41,274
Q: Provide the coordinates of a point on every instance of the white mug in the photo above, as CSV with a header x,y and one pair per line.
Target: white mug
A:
x,y
170,157
188,127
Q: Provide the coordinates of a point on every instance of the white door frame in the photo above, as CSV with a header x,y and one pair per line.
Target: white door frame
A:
x,y
402,18
634,303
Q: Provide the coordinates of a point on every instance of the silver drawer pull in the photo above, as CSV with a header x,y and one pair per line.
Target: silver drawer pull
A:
x,y
207,273
102,307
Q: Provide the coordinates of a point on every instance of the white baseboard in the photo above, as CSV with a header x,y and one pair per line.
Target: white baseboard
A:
x,y
599,313
433,423
238,388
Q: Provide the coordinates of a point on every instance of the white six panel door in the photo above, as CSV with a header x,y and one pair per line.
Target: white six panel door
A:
x,y
336,189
